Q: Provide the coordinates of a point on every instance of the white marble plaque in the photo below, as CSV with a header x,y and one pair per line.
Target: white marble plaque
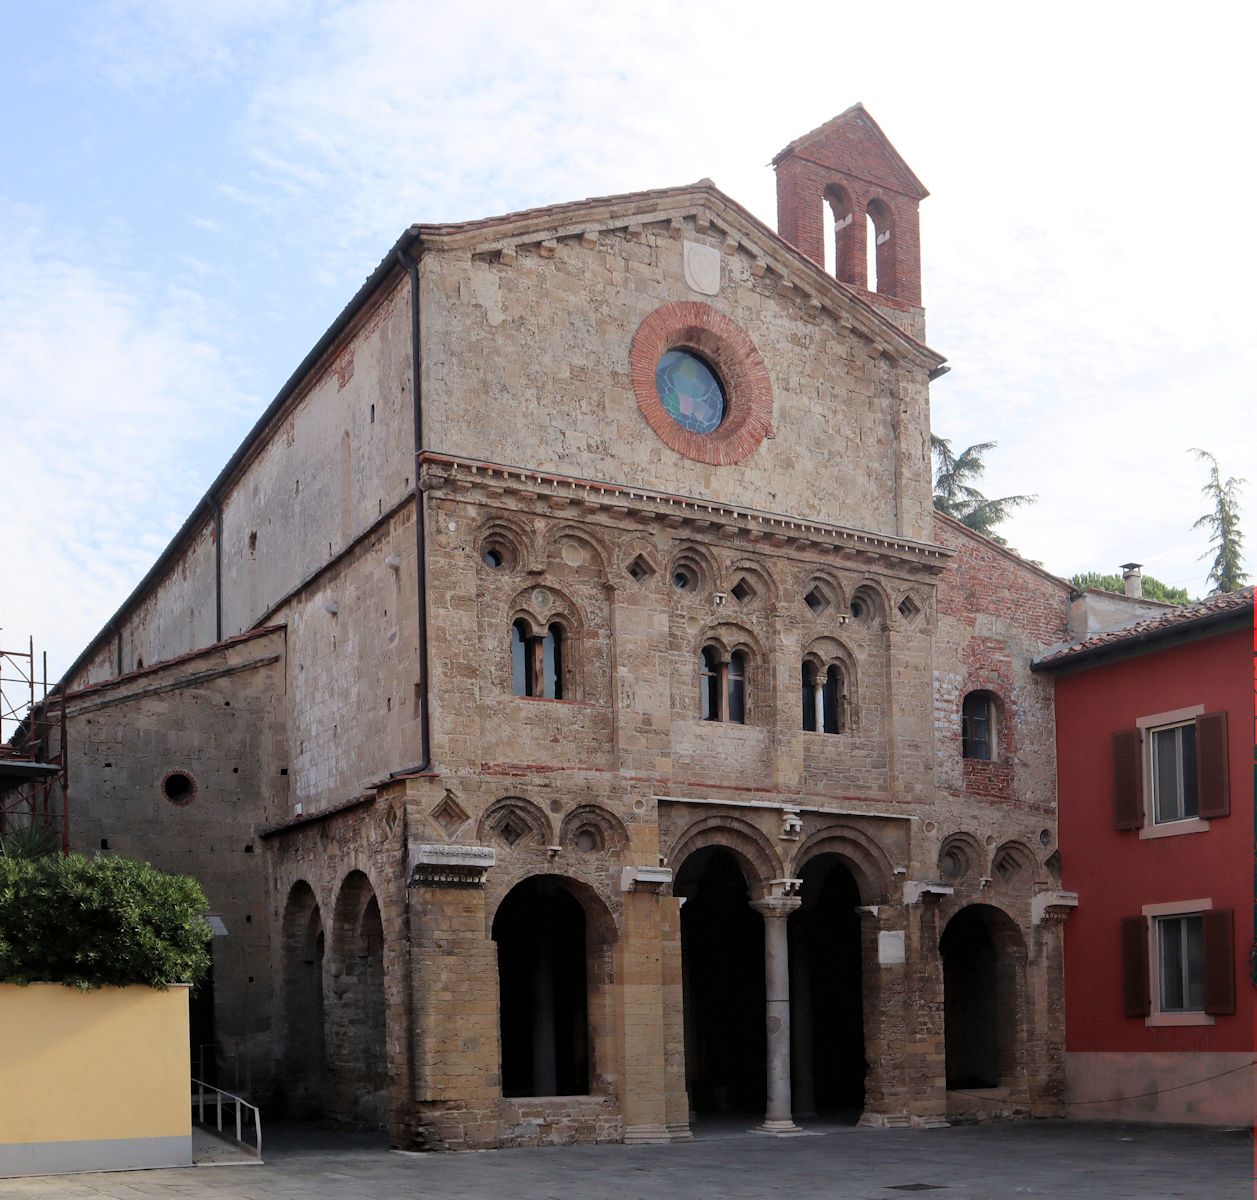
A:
x,y
702,267
890,947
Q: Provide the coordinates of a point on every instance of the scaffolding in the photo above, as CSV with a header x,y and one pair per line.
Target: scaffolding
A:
x,y
34,768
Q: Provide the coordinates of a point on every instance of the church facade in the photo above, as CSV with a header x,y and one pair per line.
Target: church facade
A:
x,y
575,710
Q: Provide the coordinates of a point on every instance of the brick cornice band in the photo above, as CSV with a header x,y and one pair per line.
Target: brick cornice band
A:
x,y
692,325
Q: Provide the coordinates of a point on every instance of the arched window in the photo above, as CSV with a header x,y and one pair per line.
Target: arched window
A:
x,y
737,688
537,661
710,681
822,698
723,685
552,663
521,677
977,726
810,672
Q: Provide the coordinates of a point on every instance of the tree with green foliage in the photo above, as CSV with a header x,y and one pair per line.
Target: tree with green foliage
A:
x,y
1223,522
956,493
91,922
1153,588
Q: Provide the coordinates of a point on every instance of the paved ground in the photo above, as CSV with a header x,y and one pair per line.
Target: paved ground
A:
x,y
991,1162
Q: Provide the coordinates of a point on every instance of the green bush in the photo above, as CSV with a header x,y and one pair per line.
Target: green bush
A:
x,y
89,922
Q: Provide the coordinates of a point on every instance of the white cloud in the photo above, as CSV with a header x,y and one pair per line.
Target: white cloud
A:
x,y
111,390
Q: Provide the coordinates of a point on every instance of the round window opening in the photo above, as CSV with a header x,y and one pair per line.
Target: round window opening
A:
x,y
690,391
178,787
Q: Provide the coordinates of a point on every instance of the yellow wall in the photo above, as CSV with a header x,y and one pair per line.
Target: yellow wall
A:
x,y
85,1066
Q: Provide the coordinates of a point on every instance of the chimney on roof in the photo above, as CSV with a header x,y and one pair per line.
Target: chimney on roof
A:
x,y
1133,580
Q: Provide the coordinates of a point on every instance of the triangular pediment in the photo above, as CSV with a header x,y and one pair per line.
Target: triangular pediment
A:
x,y
852,143
699,206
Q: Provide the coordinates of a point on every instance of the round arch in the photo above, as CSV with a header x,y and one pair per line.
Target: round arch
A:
x,y
866,860
751,849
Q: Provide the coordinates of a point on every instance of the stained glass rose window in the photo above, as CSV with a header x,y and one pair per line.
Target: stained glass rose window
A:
x,y
690,391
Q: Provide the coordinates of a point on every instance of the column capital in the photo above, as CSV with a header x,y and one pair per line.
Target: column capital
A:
x,y
776,906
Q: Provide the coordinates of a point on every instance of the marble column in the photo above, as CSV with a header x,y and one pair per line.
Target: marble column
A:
x,y
775,911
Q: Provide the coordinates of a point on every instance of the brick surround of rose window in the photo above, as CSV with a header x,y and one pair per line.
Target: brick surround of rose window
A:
x,y
692,325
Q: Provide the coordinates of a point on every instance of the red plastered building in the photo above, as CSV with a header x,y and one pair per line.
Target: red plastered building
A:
x,y
1154,728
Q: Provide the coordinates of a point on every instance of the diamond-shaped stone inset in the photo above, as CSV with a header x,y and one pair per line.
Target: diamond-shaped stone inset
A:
x,y
449,815
816,601
742,591
511,830
908,608
1007,866
640,569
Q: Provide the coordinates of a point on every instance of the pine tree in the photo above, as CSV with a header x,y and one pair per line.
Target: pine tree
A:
x,y
956,495
1223,521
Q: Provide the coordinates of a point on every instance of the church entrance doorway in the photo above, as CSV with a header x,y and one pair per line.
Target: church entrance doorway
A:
x,y
982,950
722,955
826,1005
540,931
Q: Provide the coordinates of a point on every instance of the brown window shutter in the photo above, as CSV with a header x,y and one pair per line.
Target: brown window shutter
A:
x,y
1128,790
1135,993
1212,782
1219,962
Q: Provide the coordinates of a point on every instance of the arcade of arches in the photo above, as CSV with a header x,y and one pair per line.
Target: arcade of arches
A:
x,y
723,987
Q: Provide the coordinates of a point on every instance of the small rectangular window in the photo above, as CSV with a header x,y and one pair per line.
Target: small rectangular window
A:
x,y
1181,963
1172,764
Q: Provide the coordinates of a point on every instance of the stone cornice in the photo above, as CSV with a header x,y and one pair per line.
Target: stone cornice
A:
x,y
488,482
706,210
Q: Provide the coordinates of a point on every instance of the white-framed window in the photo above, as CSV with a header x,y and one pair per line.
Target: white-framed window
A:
x,y
1178,963
1171,751
1180,959
1171,773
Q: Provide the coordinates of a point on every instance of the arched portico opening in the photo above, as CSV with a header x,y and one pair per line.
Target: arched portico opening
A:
x,y
554,953
828,1064
305,1057
983,953
357,1029
722,954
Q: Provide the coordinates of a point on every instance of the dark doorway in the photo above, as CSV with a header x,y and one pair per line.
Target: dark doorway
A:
x,y
543,990
828,1067
357,1051
975,1011
305,1056
722,954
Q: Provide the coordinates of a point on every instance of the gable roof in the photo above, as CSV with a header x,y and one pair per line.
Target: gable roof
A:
x,y
1178,623
857,114
609,211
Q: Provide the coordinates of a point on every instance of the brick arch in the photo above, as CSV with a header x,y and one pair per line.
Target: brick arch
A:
x,y
759,576
692,325
862,855
753,851
509,537
611,831
701,562
971,849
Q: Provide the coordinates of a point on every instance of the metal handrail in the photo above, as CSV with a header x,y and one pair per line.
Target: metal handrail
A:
x,y
199,1090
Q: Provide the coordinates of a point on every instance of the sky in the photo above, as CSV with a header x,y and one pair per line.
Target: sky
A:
x,y
190,193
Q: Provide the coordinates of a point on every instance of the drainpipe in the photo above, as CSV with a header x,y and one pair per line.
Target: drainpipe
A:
x,y
425,731
416,387
218,567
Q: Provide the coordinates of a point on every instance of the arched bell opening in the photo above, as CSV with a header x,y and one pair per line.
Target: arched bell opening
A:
x,y
983,955
722,956
828,1066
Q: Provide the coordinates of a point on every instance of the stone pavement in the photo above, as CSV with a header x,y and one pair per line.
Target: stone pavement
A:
x,y
1063,1161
